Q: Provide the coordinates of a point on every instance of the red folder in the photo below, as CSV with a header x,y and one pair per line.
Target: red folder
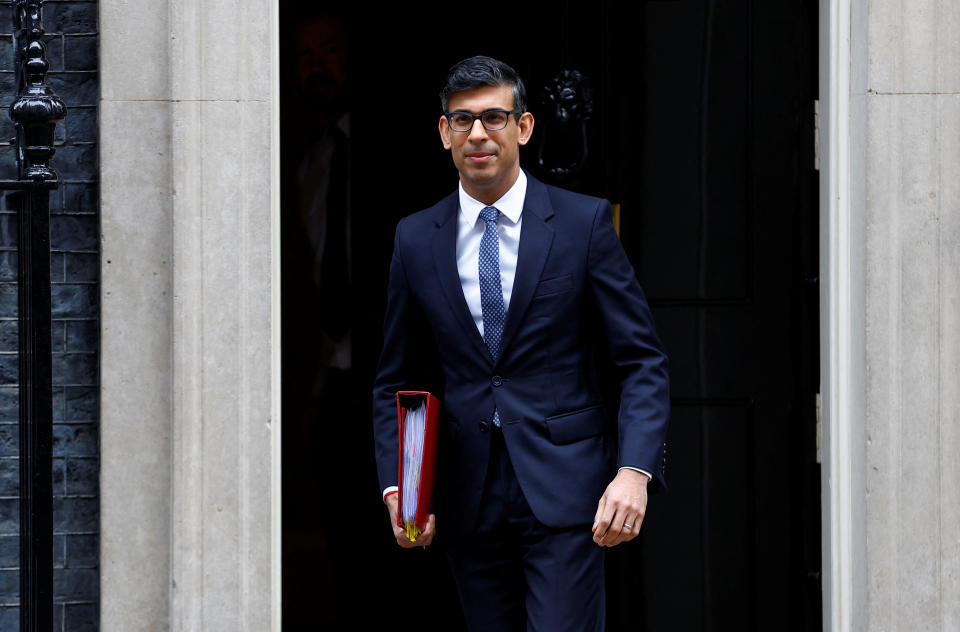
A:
x,y
408,400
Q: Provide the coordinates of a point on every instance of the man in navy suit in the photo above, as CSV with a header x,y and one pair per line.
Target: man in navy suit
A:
x,y
507,280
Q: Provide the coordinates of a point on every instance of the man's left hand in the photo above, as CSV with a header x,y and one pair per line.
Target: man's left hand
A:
x,y
621,508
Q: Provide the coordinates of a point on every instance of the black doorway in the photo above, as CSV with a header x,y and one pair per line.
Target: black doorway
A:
x,y
701,129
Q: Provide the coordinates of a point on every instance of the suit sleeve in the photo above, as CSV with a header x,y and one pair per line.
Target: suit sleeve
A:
x,y
633,346
392,368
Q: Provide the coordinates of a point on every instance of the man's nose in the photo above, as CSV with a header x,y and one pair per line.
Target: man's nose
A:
x,y
478,131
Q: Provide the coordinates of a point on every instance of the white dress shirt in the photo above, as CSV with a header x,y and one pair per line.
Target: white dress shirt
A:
x,y
470,229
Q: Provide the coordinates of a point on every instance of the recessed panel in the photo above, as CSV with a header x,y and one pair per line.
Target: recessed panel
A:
x,y
697,536
712,351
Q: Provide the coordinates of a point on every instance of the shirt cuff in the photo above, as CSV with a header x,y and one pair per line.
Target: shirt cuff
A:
x,y
636,469
393,489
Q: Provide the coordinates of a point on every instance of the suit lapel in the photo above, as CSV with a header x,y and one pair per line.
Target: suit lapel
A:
x,y
536,238
445,258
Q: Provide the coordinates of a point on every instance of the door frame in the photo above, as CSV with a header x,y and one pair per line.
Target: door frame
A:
x,y
843,67
842,200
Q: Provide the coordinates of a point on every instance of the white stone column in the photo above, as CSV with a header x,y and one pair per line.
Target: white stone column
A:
x,y
891,248
190,377
913,314
136,308
842,275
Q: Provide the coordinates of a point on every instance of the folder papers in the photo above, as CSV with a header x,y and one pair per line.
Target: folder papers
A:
x,y
418,419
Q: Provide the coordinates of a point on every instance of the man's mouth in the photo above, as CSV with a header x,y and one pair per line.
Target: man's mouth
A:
x,y
479,156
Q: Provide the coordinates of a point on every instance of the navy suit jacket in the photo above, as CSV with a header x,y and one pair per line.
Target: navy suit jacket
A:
x,y
562,445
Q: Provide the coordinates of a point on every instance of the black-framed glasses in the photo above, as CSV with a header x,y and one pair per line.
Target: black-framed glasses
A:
x,y
492,120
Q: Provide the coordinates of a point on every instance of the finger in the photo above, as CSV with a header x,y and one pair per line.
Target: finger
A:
x,y
629,530
603,527
425,538
596,517
407,543
605,524
612,535
401,537
626,513
392,508
400,534
429,531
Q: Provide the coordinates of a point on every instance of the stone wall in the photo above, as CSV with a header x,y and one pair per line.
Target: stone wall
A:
x,y
71,41
912,319
890,226
190,382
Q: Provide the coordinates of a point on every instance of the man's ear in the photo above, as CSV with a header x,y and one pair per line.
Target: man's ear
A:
x,y
444,127
526,127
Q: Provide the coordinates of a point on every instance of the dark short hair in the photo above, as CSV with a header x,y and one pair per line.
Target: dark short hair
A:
x,y
479,72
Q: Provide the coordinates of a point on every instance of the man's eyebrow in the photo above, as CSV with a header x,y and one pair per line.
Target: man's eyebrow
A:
x,y
494,109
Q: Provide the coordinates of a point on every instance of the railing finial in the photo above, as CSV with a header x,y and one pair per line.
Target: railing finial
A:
x,y
37,109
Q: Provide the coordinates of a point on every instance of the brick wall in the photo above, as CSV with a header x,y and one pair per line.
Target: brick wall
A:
x,y
71,39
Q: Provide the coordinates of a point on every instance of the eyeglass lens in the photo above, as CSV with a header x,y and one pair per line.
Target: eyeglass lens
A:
x,y
493,120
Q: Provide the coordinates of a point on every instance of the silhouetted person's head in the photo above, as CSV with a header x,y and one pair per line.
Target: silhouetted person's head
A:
x,y
321,45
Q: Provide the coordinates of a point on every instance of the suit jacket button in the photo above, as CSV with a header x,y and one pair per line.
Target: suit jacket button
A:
x,y
483,426
497,380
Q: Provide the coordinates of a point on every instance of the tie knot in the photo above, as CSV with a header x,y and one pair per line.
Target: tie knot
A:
x,y
489,214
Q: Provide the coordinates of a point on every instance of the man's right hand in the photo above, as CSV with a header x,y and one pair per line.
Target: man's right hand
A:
x,y
393,505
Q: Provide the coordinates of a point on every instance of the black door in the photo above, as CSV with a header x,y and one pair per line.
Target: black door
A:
x,y
723,232
695,117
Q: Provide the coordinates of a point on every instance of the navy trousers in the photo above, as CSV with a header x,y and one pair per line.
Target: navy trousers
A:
x,y
515,574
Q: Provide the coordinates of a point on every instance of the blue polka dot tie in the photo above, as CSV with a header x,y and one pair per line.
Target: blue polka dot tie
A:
x,y
491,292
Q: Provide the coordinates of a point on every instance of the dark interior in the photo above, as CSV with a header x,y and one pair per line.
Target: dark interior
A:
x,y
700,128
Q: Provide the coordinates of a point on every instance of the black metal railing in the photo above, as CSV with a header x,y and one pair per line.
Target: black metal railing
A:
x,y
35,112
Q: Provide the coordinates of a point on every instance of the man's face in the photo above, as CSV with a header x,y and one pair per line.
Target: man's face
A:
x,y
488,162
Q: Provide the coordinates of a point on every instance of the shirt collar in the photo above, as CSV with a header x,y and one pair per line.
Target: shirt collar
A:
x,y
510,205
